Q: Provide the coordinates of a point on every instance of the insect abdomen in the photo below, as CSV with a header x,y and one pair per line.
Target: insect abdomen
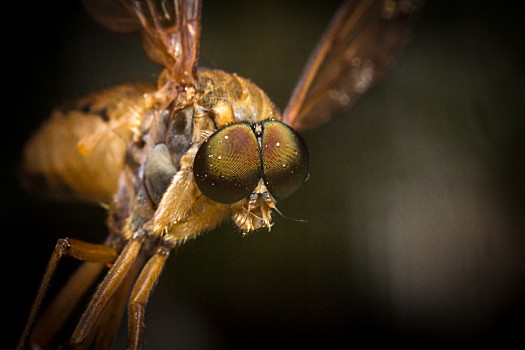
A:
x,y
79,152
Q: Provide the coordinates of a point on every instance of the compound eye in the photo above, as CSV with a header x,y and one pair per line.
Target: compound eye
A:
x,y
285,159
227,166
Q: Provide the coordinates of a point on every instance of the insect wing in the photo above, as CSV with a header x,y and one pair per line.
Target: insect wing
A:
x,y
170,30
173,32
363,40
116,15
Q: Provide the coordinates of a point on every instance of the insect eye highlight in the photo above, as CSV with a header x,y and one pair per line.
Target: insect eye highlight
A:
x,y
227,166
230,163
285,159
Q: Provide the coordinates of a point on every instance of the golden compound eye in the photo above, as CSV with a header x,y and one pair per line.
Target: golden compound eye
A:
x,y
227,166
285,159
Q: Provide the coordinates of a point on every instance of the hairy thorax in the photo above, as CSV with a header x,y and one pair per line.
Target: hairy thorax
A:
x,y
157,190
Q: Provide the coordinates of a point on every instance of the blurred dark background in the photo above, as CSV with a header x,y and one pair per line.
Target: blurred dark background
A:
x,y
415,203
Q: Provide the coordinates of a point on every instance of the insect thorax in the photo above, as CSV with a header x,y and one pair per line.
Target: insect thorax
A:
x,y
168,145
248,101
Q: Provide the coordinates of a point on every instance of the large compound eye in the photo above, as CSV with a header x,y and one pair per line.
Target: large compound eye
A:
x,y
227,166
285,159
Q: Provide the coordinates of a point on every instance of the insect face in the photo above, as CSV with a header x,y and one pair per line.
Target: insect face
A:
x,y
229,164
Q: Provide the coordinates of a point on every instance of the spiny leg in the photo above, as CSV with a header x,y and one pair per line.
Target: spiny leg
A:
x,y
140,295
64,247
106,289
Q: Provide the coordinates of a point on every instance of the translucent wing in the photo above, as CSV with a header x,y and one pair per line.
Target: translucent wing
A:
x,y
114,15
170,30
363,40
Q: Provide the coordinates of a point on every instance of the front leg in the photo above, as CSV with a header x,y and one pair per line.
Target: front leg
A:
x,y
141,293
107,288
180,196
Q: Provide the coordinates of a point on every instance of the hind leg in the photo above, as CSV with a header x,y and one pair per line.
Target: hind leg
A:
x,y
80,281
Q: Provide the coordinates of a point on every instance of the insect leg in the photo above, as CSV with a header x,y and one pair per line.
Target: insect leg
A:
x,y
140,295
64,247
55,315
179,197
107,288
109,321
